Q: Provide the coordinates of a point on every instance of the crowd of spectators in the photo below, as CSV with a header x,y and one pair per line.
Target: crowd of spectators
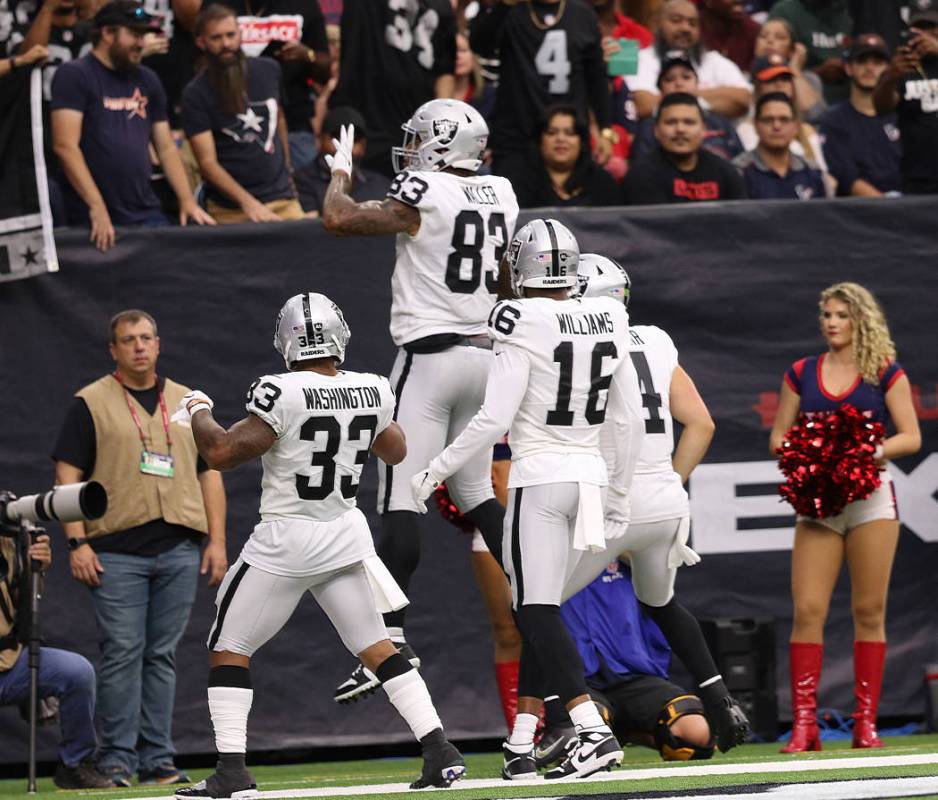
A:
x,y
221,111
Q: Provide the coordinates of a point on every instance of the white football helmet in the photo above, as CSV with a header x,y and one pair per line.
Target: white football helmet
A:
x,y
543,255
442,133
598,276
310,325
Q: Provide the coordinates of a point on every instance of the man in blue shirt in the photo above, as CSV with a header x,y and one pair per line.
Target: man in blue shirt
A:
x,y
626,660
862,147
106,109
771,171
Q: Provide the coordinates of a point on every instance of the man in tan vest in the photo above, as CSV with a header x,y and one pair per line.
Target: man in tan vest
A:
x,y
63,675
141,559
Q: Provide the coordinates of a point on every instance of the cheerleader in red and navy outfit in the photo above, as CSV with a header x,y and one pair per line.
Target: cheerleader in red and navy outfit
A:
x,y
859,368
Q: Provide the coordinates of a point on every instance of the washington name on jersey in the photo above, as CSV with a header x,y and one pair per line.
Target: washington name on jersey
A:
x,y
325,425
444,277
573,348
657,491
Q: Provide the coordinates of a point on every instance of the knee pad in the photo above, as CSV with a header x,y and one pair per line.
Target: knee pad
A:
x,y
674,748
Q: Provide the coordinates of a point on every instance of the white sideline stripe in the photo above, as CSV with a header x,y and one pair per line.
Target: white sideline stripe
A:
x,y
878,789
624,776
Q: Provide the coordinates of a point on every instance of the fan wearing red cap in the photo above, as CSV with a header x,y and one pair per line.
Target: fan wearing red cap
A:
x,y
910,88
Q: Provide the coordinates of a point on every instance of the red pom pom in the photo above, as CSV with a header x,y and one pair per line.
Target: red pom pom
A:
x,y
828,461
449,511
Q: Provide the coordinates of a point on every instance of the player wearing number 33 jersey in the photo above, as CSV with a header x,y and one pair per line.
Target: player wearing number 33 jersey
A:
x,y
313,428
452,228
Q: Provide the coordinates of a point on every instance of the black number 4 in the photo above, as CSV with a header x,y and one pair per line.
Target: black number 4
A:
x,y
651,399
326,458
561,415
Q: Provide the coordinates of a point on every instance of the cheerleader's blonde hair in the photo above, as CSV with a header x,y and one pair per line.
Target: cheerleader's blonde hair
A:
x,y
873,347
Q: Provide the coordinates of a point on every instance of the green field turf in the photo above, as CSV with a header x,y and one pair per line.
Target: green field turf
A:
x,y
394,770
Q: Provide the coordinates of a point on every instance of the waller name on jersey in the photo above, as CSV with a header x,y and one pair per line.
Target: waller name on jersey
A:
x,y
586,324
342,397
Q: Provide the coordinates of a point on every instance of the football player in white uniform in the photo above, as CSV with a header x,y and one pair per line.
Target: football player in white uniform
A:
x,y
313,428
452,227
560,365
656,541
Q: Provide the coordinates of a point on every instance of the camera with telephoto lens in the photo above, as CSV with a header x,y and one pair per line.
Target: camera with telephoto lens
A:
x,y
71,502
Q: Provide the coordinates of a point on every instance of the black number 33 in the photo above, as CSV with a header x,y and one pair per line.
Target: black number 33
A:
x,y
266,402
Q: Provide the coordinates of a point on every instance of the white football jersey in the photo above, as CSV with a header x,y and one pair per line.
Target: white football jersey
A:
x,y
573,348
657,491
445,277
325,425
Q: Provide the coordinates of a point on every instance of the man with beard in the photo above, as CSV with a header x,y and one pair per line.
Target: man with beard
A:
x,y
232,113
722,87
910,88
862,147
679,170
106,110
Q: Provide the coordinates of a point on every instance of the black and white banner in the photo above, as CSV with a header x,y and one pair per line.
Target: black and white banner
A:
x,y
26,244
736,286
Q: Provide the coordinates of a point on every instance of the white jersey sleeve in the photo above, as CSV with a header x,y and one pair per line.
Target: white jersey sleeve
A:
x,y
325,425
445,276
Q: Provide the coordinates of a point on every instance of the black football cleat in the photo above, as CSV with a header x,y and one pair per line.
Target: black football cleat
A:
x,y
594,751
729,722
518,766
555,743
363,682
442,766
222,785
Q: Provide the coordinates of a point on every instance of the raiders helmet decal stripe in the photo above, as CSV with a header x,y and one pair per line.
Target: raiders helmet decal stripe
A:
x,y
309,319
554,249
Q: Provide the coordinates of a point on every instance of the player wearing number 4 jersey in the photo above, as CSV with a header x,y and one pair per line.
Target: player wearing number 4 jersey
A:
x,y
656,541
313,428
452,227
561,373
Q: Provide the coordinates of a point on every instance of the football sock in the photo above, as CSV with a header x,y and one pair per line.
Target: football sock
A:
x,y
398,546
506,676
489,518
586,717
554,712
408,694
522,734
229,702
683,633
560,663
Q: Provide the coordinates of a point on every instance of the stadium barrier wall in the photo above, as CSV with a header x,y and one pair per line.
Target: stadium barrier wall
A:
x,y
736,286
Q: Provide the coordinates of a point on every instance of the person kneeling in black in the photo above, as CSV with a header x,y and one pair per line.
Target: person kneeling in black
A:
x,y
560,171
679,170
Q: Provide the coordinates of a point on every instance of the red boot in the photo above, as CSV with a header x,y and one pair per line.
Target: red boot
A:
x,y
506,676
868,660
805,661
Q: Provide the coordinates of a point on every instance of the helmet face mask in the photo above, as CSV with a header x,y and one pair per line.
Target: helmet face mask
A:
x,y
310,326
599,276
544,254
442,133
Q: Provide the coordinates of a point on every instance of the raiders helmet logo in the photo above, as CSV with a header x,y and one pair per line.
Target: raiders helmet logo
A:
x,y
445,130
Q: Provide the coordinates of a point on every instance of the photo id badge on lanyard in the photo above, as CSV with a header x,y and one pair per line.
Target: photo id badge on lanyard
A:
x,y
156,464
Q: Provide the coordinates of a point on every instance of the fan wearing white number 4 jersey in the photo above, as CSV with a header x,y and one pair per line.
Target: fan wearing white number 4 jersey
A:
x,y
313,428
452,228
560,377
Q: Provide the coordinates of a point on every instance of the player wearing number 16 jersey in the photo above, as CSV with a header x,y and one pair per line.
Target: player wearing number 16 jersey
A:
x,y
313,428
452,227
561,373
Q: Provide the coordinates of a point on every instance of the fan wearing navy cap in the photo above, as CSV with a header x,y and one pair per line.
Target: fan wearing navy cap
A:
x,y
910,88
678,74
313,180
679,170
106,110
862,147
